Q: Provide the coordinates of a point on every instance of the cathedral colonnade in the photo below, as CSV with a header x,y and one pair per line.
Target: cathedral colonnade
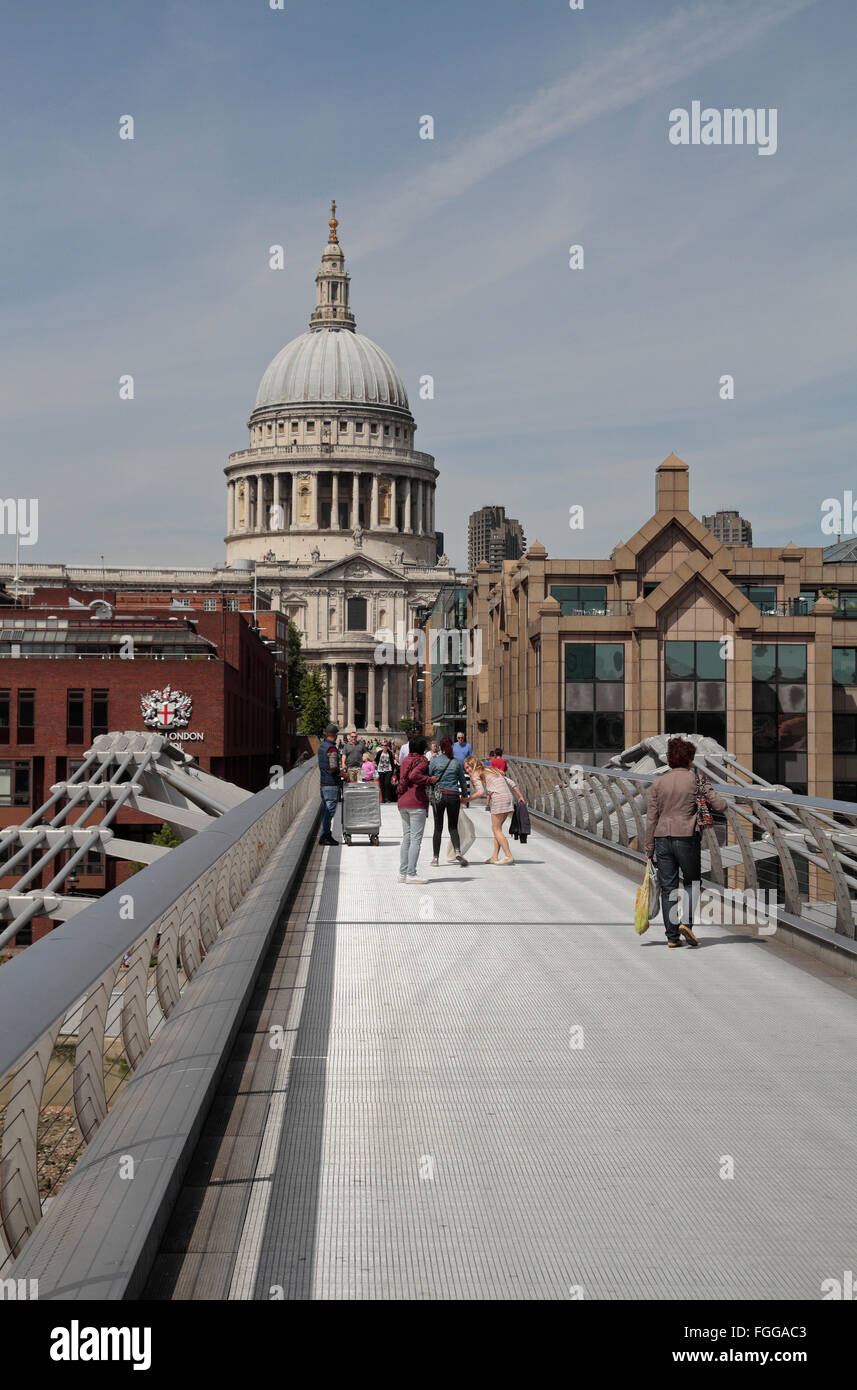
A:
x,y
267,501
360,693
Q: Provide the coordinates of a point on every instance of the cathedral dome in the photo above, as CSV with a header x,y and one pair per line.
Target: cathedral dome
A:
x,y
335,365
332,362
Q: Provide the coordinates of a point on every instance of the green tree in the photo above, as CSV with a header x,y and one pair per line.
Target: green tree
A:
x,y
313,713
166,836
408,725
296,667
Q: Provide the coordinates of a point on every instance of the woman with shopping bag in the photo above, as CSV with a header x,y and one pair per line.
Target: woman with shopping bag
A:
x,y
680,805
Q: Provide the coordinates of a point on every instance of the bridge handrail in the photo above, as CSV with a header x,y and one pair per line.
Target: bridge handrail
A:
x,y
75,976
610,803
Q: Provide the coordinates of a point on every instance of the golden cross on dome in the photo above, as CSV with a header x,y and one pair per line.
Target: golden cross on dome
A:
x,y
333,224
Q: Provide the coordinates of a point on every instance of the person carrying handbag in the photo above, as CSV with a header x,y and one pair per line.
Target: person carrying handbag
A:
x,y
680,805
499,792
446,797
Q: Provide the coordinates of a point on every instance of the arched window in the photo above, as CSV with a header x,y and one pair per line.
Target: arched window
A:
x,y
357,615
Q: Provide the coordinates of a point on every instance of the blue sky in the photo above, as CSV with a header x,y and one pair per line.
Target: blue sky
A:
x,y
553,387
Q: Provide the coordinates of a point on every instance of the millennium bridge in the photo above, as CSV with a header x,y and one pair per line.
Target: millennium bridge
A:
x,y
262,1068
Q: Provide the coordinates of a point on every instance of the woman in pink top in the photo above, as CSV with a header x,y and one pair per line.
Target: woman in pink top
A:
x,y
498,790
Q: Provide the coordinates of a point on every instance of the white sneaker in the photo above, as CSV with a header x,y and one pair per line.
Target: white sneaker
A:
x,y
413,878
435,863
403,878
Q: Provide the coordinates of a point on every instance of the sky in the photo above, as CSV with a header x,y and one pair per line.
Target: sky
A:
x,y
554,387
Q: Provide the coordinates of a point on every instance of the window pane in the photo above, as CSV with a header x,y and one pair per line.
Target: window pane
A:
x,y
844,733
844,662
764,661
710,665
791,698
791,661
764,732
609,661
678,722
678,695
765,765
579,661
711,695
764,697
609,695
793,769
763,596
792,731
678,659
578,695
5,784
593,596
578,730
712,726
357,615
610,731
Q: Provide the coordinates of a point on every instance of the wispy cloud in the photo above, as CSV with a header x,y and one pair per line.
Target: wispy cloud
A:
x,y
689,39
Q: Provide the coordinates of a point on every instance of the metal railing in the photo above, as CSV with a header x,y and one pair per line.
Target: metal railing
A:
x,y
80,1009
801,847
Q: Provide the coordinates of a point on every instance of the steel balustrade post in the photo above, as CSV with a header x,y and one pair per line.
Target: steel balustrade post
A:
x,y
20,1203
841,896
88,1094
790,883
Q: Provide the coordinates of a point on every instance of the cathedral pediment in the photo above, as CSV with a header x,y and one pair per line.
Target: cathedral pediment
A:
x,y
357,566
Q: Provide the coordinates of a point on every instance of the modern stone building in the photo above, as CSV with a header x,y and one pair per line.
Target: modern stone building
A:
x,y
673,633
333,504
494,537
729,527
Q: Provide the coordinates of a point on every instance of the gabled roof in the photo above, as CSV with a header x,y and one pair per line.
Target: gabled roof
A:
x,y
695,567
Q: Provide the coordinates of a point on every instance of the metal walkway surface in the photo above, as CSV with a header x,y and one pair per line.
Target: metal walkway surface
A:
x,y
491,1088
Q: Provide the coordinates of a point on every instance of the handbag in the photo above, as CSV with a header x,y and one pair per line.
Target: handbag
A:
x,y
704,818
435,793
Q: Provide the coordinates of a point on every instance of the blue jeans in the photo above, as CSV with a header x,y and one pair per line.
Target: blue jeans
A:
x,y
674,853
413,825
329,798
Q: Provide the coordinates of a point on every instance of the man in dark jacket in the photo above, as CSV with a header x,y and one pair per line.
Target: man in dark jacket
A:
x,y
328,762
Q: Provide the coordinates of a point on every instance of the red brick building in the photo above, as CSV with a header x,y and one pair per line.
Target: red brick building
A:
x,y
198,669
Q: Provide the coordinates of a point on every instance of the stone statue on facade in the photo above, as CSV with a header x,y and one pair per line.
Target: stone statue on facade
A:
x,y
315,555
443,561
398,557
357,536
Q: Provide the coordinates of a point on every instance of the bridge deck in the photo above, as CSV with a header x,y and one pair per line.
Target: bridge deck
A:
x,y
429,1130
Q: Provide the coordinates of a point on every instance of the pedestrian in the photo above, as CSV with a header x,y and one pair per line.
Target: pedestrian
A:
x,y
432,751
461,748
386,764
498,791
328,762
447,795
497,760
674,840
414,777
368,770
404,750
352,757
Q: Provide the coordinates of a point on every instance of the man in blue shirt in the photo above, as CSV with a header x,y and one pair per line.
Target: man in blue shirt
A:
x,y
461,748
328,762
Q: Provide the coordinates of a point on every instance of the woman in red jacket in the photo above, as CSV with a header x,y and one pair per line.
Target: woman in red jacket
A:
x,y
413,808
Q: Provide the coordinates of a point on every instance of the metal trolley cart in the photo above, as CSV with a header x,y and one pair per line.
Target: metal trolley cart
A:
x,y
361,810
